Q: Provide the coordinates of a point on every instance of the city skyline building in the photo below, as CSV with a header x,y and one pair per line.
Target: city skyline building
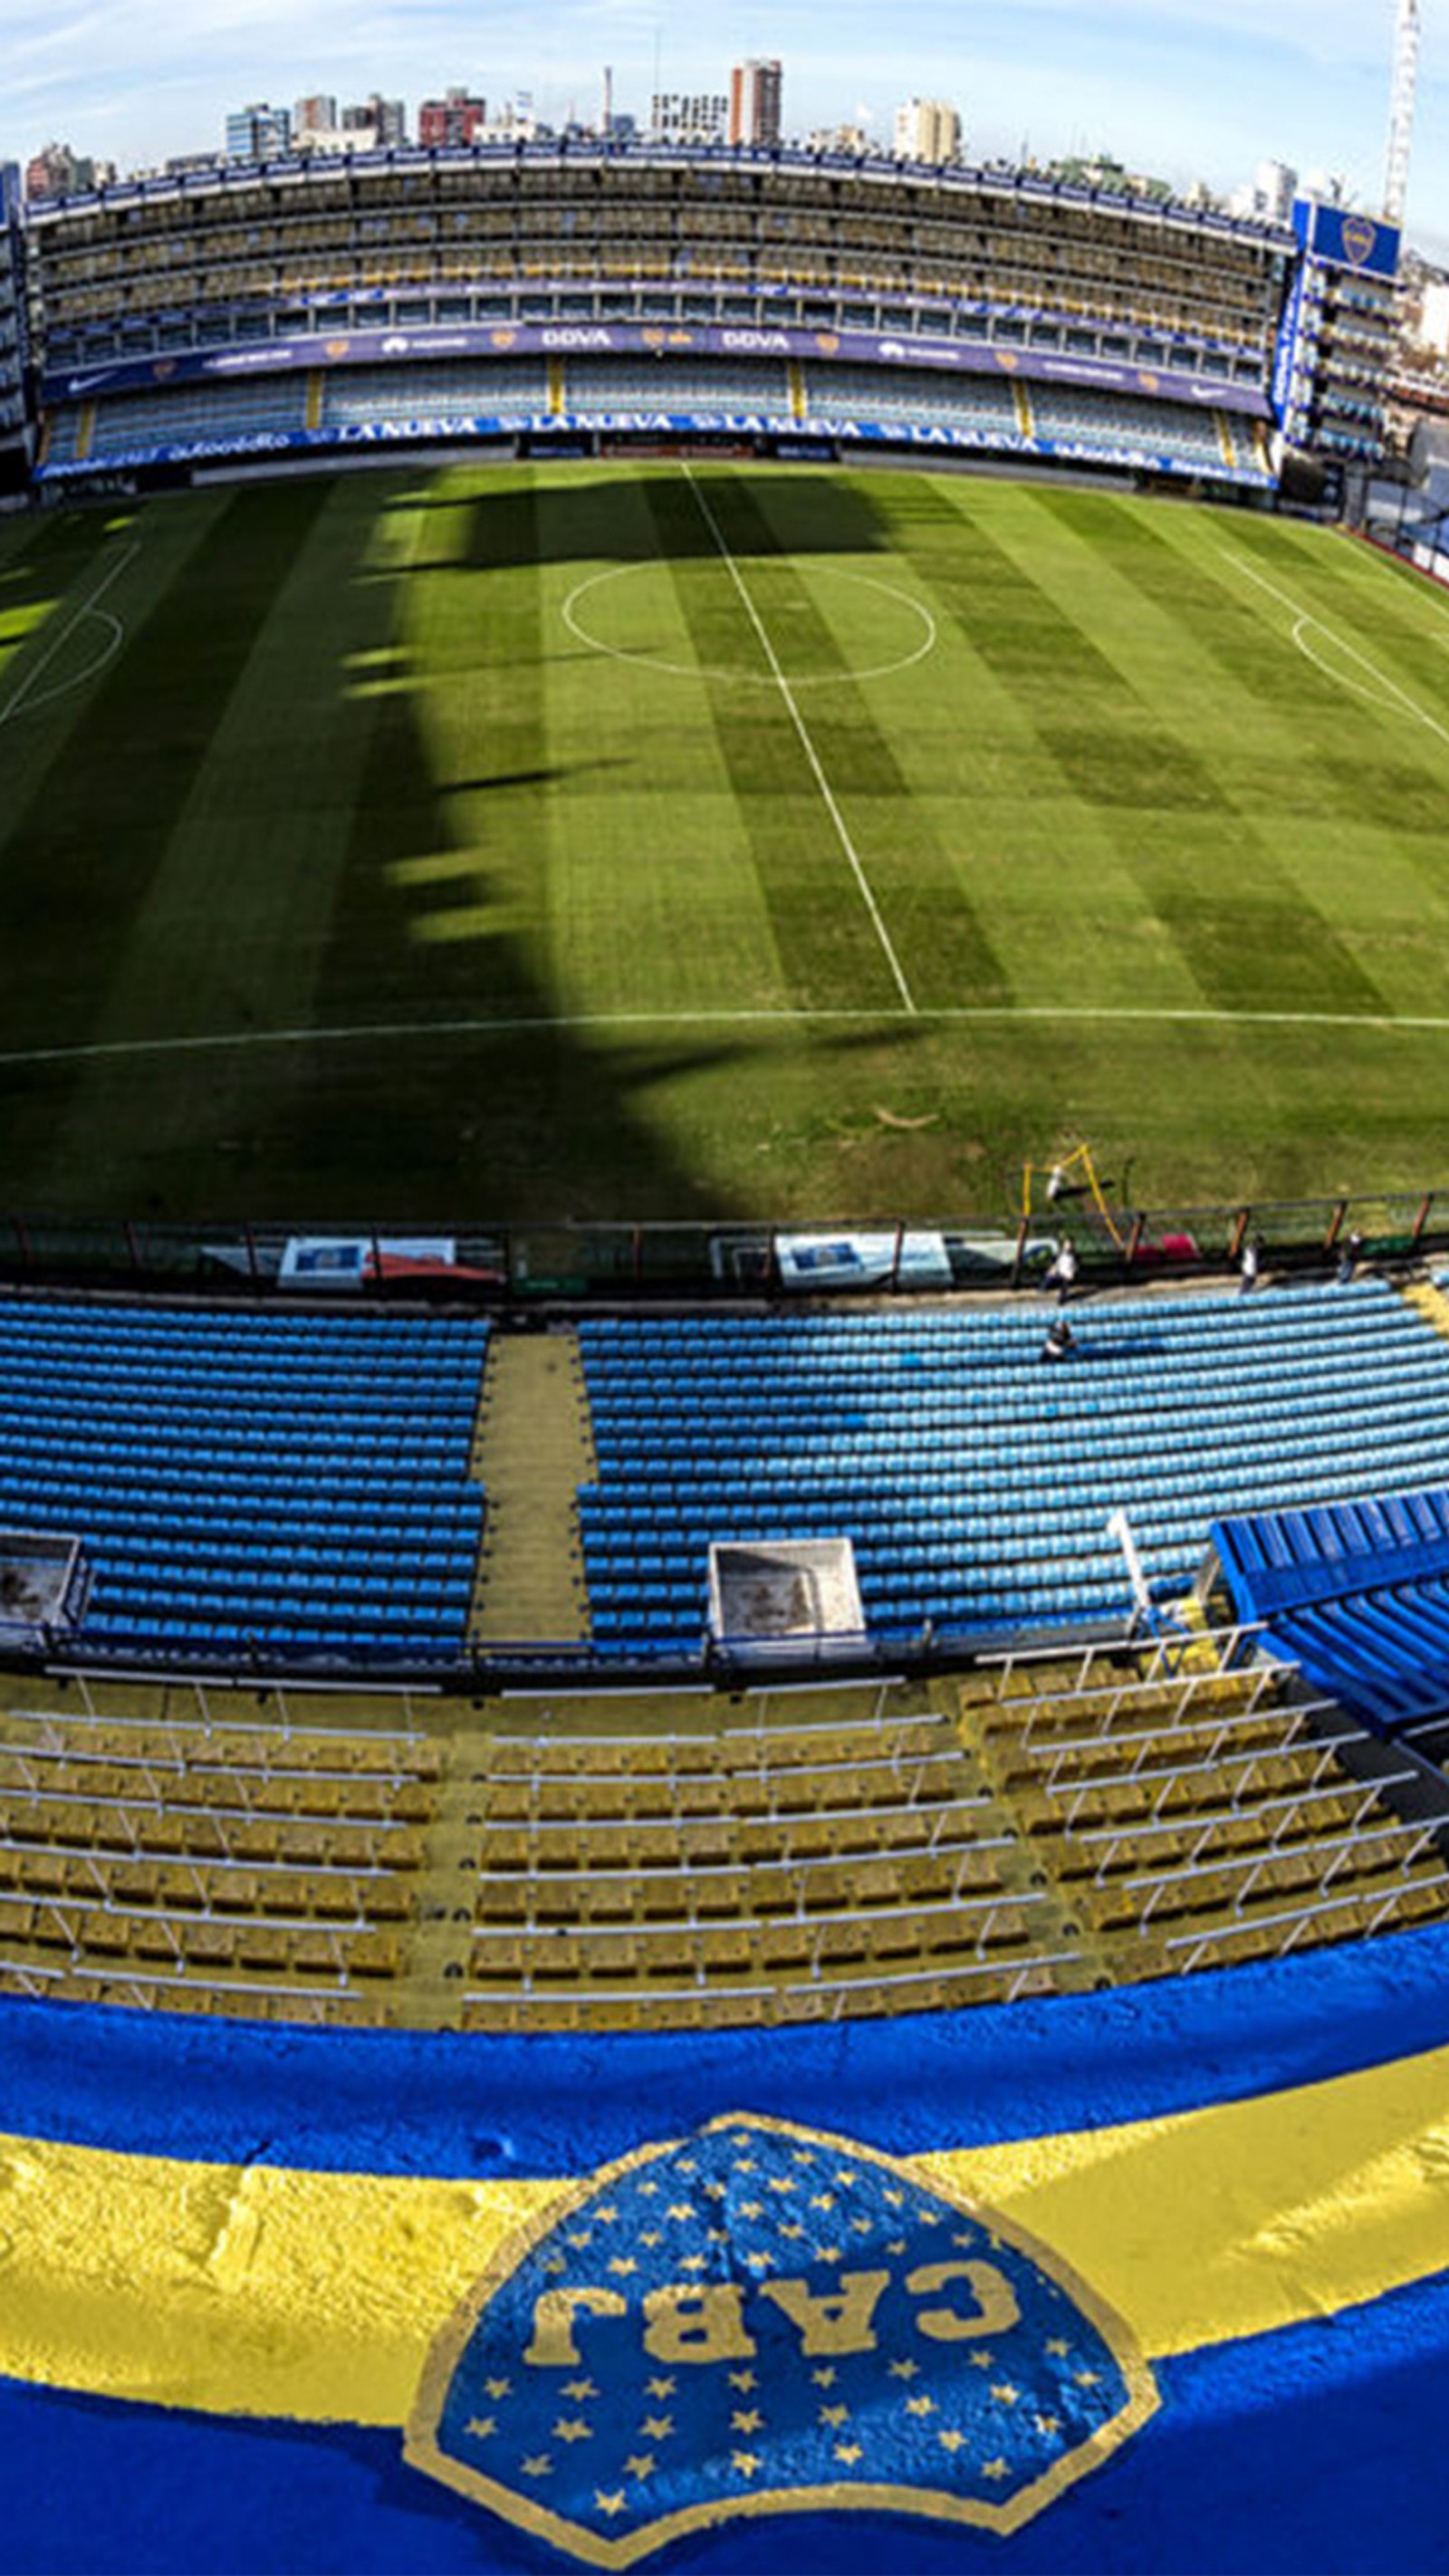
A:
x,y
756,92
456,118
258,132
928,129
695,116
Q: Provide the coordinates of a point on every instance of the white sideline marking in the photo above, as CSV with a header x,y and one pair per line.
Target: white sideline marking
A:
x,y
1383,1023
1305,617
807,746
88,608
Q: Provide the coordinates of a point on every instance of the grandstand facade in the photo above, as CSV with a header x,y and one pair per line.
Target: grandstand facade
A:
x,y
14,338
545,295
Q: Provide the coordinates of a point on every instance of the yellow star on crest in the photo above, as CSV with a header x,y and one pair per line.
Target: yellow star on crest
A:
x,y
835,2416
744,2463
623,2264
905,2370
1048,2424
662,2387
540,2466
606,2217
1006,2395
610,2504
747,2419
995,2469
920,2406
642,2465
682,2210
580,2390
658,2427
825,2378
572,2428
482,2426
951,2440
1086,2379
499,2387
744,2381
849,2452
1058,2348
823,2200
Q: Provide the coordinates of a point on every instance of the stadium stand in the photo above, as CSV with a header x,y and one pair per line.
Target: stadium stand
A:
x,y
429,296
808,1854
975,1488
259,1485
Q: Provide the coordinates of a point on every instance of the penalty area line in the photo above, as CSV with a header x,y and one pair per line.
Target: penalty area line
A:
x,y
543,1023
1393,694
88,608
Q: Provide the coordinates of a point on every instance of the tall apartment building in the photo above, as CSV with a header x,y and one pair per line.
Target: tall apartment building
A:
x,y
387,117
315,115
677,116
258,133
929,130
755,89
456,117
56,171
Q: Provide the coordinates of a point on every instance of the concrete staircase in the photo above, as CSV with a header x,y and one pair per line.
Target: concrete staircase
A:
x,y
532,1450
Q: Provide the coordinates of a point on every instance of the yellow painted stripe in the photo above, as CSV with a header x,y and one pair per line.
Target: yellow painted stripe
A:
x,y
314,2296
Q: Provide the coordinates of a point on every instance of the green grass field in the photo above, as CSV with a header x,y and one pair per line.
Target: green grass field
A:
x,y
658,841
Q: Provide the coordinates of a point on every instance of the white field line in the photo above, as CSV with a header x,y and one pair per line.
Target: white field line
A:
x,y
88,608
1366,689
582,634
1305,617
1382,1023
806,745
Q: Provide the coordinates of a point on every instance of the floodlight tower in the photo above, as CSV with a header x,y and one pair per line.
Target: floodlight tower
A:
x,y
1401,116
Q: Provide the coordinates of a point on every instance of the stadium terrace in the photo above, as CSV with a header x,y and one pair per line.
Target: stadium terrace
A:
x,y
680,1883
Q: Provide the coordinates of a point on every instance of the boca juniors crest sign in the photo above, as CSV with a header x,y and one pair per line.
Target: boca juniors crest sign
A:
x,y
762,2319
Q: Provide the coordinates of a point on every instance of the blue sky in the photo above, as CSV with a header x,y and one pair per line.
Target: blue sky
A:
x,y
1184,87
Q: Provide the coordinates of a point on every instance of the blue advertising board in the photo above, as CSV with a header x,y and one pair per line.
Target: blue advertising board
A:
x,y
1346,239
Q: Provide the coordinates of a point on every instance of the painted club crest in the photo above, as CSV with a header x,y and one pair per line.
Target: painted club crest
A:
x,y
759,2320
1359,237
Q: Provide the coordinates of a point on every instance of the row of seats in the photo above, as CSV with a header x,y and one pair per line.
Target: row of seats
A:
x,y
257,1485
974,1485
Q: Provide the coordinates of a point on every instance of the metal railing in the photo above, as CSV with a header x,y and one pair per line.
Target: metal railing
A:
x,y
738,1262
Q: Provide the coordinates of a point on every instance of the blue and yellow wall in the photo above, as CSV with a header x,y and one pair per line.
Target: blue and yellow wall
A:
x,y
245,2271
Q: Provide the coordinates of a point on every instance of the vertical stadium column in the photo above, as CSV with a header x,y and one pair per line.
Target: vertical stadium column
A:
x,y
314,399
85,432
557,388
1226,443
798,404
1025,416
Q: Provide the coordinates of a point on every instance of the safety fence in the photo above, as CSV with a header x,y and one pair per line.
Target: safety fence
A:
x,y
737,1262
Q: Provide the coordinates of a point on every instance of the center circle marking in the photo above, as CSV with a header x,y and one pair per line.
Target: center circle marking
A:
x,y
584,634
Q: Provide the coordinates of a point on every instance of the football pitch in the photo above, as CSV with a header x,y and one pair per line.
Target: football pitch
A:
x,y
668,840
